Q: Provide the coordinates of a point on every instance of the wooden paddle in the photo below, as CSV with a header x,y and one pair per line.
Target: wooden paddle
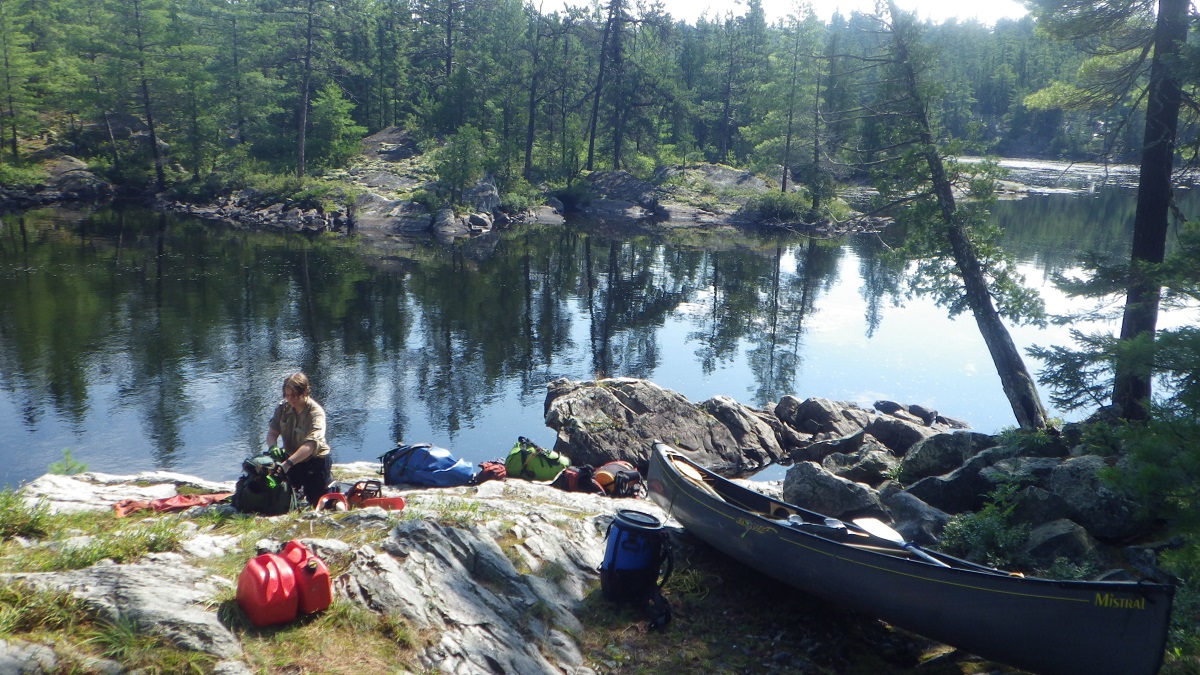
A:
x,y
878,528
688,471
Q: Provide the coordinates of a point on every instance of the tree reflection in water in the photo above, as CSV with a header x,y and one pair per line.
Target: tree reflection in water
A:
x,y
142,341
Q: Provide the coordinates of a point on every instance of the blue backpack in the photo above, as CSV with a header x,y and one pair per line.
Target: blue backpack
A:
x,y
425,464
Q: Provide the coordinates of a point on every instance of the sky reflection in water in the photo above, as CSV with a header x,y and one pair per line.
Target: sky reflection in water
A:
x,y
136,361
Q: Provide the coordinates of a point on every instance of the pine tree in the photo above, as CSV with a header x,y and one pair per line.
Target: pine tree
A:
x,y
16,70
960,263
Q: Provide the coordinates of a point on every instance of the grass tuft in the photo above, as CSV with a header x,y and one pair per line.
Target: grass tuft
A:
x,y
156,536
18,519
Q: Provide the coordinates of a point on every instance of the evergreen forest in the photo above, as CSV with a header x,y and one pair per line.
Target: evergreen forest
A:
x,y
168,91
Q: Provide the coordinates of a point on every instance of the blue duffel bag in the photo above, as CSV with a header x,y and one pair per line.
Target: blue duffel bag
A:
x,y
425,464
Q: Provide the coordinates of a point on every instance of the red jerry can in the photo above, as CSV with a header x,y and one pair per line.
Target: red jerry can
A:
x,y
312,577
266,590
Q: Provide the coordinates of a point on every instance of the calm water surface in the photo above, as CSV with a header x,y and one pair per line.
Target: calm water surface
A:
x,y
138,341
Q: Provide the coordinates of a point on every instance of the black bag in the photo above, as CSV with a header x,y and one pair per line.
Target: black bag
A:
x,y
263,490
620,479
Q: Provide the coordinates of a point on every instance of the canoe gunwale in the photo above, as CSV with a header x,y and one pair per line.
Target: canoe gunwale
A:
x,y
883,582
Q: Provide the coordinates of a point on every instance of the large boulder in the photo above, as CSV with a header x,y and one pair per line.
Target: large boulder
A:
x,y
870,464
817,451
73,179
494,610
897,433
373,213
809,486
915,520
1060,540
754,435
95,491
964,489
602,420
1019,471
483,196
448,226
821,416
1107,514
1037,506
941,453
437,576
164,596
623,187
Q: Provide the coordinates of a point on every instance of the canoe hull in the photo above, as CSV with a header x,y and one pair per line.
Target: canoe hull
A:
x,y
1044,626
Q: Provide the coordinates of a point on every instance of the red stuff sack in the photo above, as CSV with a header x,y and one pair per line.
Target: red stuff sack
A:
x,y
492,470
266,590
578,479
313,587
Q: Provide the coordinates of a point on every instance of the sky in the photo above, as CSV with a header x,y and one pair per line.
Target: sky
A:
x,y
986,11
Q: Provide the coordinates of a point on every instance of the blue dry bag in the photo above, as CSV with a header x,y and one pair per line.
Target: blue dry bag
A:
x,y
635,554
425,464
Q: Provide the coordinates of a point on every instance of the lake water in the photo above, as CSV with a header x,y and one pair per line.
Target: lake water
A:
x,y
138,341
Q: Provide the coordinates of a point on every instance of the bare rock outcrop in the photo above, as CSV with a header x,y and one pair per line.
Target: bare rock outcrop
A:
x,y
162,595
601,420
445,575
810,486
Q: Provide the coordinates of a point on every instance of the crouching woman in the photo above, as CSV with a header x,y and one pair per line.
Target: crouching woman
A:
x,y
299,425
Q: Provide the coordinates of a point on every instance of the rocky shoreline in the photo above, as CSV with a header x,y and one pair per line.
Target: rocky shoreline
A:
x,y
388,180
503,576
908,464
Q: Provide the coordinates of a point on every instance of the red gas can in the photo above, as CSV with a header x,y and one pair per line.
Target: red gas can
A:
x,y
266,590
312,577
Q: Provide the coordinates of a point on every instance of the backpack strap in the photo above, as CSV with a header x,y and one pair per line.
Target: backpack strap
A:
x,y
528,452
657,608
404,454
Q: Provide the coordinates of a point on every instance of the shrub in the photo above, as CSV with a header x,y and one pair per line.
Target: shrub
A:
x,y
334,138
430,200
68,466
520,196
987,535
573,195
19,177
303,193
640,166
201,191
780,207
460,163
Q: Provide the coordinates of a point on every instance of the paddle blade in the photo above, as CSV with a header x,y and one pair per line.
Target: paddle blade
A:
x,y
880,529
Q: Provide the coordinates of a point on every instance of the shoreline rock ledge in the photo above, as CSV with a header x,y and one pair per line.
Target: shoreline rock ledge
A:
x,y
617,418
438,564
904,463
